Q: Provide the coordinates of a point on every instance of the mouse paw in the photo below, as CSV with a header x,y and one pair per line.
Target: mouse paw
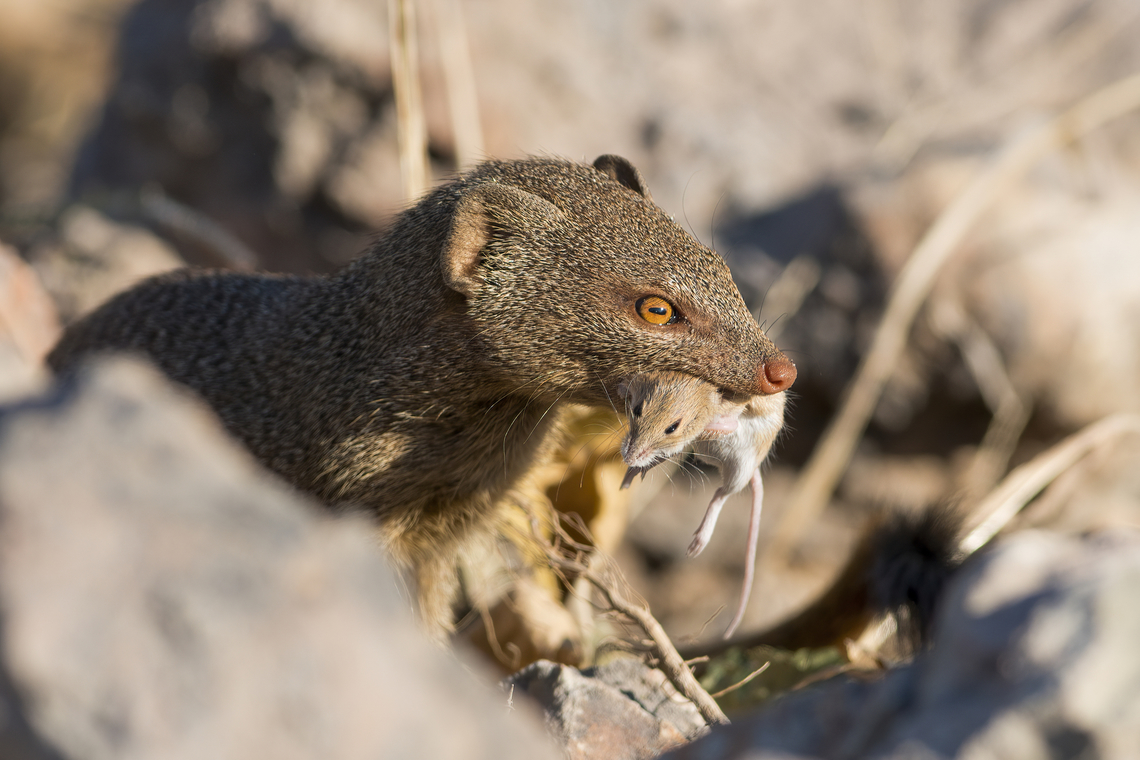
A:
x,y
698,545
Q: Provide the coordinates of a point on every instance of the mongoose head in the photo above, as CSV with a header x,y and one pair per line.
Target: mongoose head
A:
x,y
573,280
669,410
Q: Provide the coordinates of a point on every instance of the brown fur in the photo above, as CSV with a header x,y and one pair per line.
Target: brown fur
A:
x,y
419,382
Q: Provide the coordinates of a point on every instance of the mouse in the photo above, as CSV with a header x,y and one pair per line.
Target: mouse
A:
x,y
669,411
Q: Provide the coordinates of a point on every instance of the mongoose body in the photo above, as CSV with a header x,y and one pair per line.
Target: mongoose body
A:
x,y
734,435
418,382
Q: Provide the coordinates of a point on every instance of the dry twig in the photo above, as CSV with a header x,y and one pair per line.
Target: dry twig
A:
x,y
1010,412
819,477
1026,481
672,664
195,225
742,681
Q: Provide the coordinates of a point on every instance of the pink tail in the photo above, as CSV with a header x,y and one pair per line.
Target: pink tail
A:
x,y
750,552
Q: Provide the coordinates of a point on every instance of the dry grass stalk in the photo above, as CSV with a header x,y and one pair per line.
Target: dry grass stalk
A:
x,y
1026,481
742,681
788,292
410,123
584,564
819,477
195,225
1010,412
462,97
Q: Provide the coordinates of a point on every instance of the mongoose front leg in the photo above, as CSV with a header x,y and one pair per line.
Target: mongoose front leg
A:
x,y
708,523
749,552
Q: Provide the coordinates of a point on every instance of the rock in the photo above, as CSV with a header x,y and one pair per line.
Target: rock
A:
x,y
622,710
278,122
1033,657
92,257
272,118
29,326
163,596
651,689
1055,281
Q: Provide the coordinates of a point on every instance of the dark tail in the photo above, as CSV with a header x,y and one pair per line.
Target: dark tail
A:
x,y
900,565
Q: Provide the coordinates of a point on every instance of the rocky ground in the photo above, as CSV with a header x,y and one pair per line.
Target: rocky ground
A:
x,y
159,594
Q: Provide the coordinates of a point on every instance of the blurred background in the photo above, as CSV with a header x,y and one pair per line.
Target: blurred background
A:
x,y
812,144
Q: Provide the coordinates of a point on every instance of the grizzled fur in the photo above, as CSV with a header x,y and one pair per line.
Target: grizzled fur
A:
x,y
417,382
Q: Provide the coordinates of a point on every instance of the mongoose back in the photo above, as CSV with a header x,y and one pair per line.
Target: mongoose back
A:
x,y
736,436
417,382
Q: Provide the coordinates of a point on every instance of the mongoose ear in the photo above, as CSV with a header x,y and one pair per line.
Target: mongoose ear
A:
x,y
485,211
620,170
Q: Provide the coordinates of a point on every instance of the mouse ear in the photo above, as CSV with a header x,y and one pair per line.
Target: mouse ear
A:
x,y
484,212
620,170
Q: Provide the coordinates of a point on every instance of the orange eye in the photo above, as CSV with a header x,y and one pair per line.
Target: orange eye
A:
x,y
656,311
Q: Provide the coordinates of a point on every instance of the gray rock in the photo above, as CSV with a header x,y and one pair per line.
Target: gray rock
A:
x,y
273,119
1034,656
621,710
162,596
90,258
651,689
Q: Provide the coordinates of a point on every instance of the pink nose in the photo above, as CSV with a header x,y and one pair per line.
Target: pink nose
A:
x,y
776,376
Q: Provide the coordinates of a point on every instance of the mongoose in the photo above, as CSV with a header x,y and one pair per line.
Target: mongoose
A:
x,y
419,381
736,437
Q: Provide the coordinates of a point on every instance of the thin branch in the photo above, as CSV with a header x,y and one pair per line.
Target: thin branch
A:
x,y
1026,481
672,664
819,477
788,292
1010,412
195,225
741,682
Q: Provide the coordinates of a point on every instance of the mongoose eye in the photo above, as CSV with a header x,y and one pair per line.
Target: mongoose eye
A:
x,y
637,411
673,428
656,310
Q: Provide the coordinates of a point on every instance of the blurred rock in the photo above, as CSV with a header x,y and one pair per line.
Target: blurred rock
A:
x,y
162,596
91,258
273,118
621,710
29,326
277,120
1033,657
54,69
1056,282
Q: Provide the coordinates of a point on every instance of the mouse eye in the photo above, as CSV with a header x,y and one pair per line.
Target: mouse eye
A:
x,y
656,310
673,428
637,411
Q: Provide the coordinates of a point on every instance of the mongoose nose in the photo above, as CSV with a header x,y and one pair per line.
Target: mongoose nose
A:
x,y
776,376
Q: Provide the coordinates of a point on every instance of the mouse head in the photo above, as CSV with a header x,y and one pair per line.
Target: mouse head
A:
x,y
569,278
667,411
